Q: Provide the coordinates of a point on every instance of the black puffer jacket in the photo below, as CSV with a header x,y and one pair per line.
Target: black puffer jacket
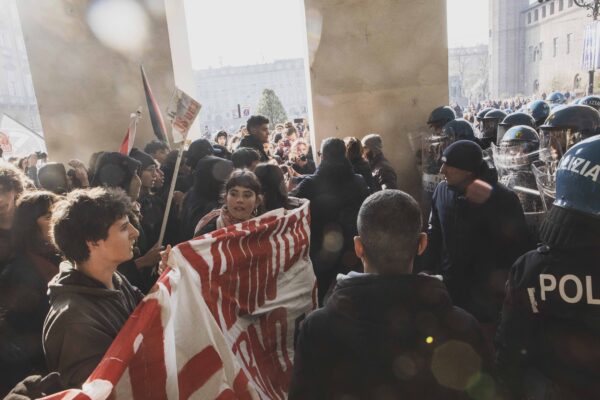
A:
x,y
83,320
392,337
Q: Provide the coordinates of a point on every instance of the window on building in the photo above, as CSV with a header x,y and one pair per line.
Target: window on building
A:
x,y
561,5
536,86
530,53
536,52
569,42
536,15
541,50
529,17
544,12
577,82
551,8
554,47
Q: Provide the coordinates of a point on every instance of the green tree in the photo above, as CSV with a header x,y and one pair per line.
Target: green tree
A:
x,y
270,106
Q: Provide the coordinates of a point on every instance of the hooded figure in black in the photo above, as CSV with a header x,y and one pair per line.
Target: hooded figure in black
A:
x,y
209,177
335,193
476,232
548,343
386,333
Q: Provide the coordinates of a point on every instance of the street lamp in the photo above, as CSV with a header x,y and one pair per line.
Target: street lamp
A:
x,y
594,6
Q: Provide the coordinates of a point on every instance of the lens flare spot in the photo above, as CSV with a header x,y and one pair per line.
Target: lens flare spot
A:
x,y
119,24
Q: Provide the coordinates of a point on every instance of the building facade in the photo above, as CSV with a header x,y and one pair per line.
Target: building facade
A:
x,y
536,47
17,97
468,74
221,90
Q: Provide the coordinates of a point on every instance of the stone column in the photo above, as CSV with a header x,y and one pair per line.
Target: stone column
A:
x,y
377,66
88,82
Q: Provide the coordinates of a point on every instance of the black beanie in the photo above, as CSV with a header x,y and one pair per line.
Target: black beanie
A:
x,y
144,158
114,170
465,155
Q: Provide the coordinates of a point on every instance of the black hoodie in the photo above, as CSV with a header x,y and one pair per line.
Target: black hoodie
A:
x,y
393,337
83,320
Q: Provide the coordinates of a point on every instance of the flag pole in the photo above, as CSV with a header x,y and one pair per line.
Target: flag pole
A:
x,y
182,110
171,192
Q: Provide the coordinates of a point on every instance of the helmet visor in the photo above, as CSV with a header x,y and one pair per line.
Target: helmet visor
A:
x,y
501,131
515,155
554,143
489,128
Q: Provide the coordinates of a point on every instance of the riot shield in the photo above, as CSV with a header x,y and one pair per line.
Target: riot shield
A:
x,y
545,179
513,163
432,149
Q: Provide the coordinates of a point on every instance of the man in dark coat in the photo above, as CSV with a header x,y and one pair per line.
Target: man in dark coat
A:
x,y
387,333
335,193
258,135
89,300
476,232
547,343
382,170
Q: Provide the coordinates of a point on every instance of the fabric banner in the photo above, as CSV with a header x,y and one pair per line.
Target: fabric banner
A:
x,y
591,47
221,321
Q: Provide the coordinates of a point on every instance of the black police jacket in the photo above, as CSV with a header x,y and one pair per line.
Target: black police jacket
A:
x,y
548,342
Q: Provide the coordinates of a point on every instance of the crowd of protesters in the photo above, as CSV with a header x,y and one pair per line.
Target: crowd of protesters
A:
x,y
80,246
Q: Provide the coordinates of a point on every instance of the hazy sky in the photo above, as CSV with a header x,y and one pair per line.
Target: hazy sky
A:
x,y
241,32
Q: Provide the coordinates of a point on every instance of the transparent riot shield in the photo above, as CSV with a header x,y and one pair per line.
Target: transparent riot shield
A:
x,y
415,139
432,149
545,178
513,163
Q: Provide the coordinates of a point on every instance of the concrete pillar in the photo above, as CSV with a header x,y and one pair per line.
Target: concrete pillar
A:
x,y
377,66
88,82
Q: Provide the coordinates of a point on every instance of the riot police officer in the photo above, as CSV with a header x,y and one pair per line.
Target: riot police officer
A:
x,y
514,119
539,110
564,128
480,115
513,157
440,117
490,126
592,101
557,98
547,343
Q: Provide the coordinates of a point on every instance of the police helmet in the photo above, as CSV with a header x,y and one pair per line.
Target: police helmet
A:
x,y
518,148
521,133
490,124
441,116
592,101
482,113
565,127
557,98
539,110
495,114
514,119
459,129
578,178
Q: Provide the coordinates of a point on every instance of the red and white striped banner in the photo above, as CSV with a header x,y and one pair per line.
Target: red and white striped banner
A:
x,y
220,323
